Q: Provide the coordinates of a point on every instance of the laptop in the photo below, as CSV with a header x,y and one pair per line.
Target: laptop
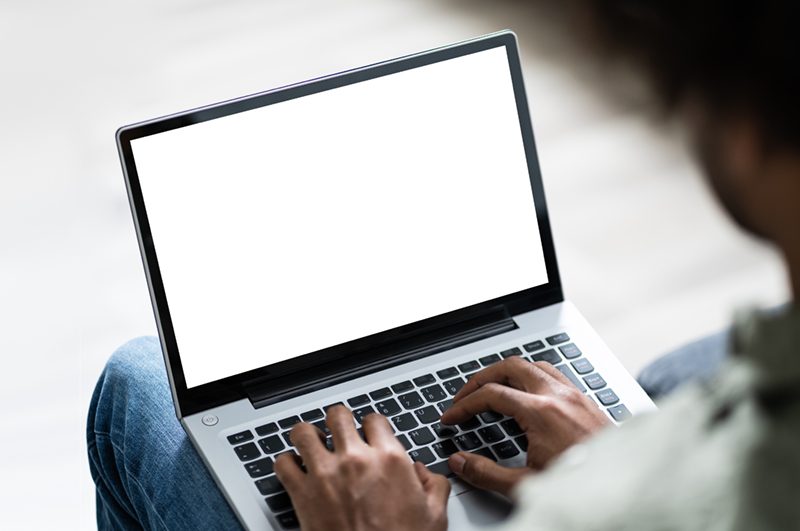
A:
x,y
372,238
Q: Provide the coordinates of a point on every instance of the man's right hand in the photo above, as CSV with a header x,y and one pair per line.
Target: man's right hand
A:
x,y
551,411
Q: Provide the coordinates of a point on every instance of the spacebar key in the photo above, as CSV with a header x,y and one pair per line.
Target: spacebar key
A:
x,y
442,468
572,378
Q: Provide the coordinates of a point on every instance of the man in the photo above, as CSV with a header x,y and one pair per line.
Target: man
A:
x,y
721,455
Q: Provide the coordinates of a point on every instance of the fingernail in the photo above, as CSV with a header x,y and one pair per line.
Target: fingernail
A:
x,y
457,463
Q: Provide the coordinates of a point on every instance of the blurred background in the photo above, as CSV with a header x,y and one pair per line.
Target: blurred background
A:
x,y
644,251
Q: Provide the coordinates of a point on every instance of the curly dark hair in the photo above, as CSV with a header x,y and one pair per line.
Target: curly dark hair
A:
x,y
733,53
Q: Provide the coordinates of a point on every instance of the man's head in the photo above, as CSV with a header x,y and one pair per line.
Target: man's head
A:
x,y
731,69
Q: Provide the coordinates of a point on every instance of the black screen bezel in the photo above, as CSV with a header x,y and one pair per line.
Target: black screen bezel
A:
x,y
199,398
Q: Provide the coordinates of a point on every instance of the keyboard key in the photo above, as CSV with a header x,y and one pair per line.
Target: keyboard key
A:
x,y
522,442
490,416
411,400
511,427
287,437
620,413
380,393
570,351
534,346
388,407
505,449
269,485
469,366
434,393
267,429
362,412
572,378
425,379
550,356
323,427
485,452
491,434
422,455
582,366
445,449
288,422
454,385
470,424
468,441
314,414
359,400
402,386
442,468
489,360
447,373
271,445
279,502
558,338
511,352
329,444
405,422
607,397
594,381
444,431
247,452
260,468
421,436
288,520
326,408
427,415
404,441
444,406
240,437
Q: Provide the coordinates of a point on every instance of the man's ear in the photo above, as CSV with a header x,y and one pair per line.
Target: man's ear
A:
x,y
745,148
733,153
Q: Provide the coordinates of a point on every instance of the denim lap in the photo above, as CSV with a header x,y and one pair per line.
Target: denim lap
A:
x,y
148,475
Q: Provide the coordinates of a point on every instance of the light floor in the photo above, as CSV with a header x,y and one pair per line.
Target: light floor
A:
x,y
644,252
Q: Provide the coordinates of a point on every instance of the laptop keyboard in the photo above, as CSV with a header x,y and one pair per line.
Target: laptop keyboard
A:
x,y
414,408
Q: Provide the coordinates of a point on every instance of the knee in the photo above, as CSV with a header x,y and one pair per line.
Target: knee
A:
x,y
137,359
132,370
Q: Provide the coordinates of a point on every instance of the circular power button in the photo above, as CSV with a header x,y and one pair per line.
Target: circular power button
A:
x,y
210,420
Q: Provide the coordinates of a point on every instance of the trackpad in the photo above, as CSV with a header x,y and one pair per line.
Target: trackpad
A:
x,y
477,508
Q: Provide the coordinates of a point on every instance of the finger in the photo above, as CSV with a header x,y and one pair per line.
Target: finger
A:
x,y
514,372
492,396
436,487
484,473
287,468
310,443
378,431
342,427
553,372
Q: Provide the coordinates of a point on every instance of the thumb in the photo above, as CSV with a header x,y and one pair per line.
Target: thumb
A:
x,y
484,473
437,490
436,486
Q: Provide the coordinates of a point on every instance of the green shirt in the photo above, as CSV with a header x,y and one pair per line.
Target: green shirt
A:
x,y
718,456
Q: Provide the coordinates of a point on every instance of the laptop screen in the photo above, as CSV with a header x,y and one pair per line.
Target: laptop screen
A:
x,y
314,221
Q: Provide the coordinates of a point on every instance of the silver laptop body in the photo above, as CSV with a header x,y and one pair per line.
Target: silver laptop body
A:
x,y
373,238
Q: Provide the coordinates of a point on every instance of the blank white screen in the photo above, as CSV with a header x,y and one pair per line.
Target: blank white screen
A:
x,y
308,223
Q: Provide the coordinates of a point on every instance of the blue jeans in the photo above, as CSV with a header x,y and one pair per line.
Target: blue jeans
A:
x,y
694,362
149,476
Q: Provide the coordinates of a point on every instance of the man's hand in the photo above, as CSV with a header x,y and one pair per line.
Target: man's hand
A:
x,y
360,485
551,411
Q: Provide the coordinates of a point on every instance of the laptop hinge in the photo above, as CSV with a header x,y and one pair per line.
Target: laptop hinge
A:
x,y
279,388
